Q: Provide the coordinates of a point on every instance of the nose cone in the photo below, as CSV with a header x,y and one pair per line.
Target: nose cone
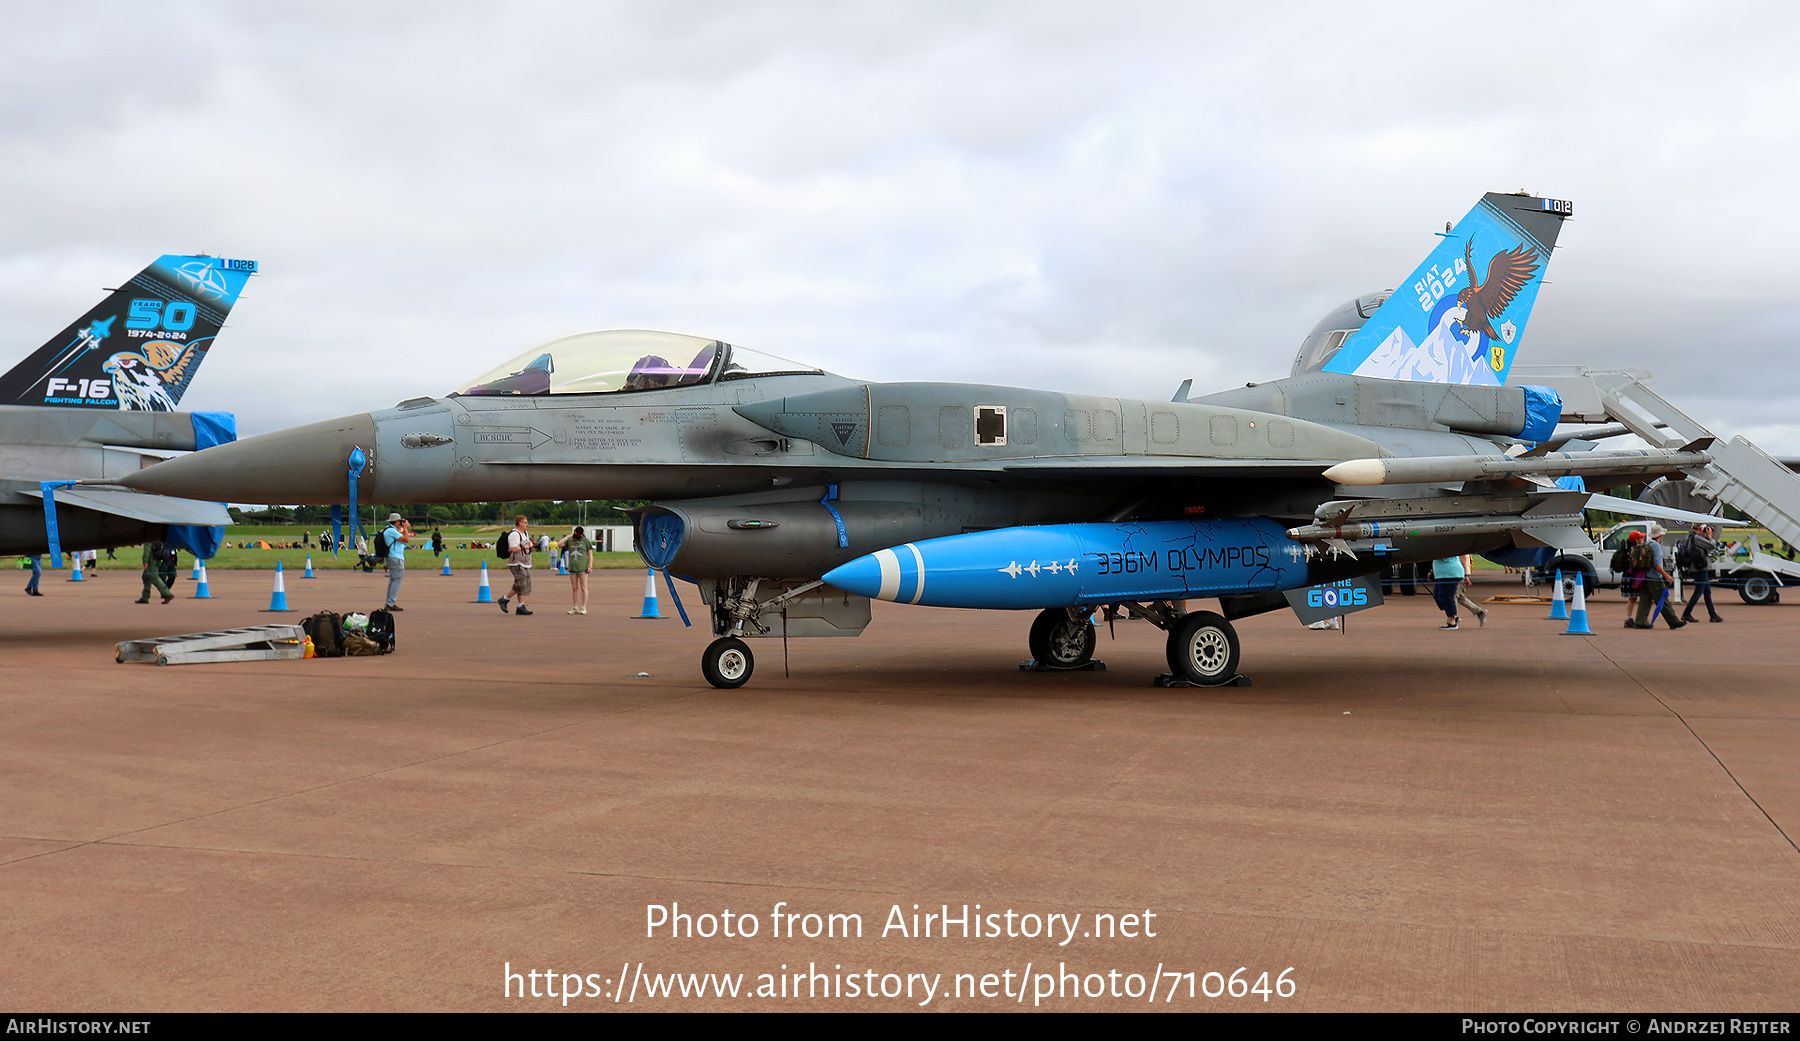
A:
x,y
861,576
301,466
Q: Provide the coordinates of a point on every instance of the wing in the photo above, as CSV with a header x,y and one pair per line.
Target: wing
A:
x,y
1508,273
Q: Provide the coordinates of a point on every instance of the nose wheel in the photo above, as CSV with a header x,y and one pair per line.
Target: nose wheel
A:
x,y
727,663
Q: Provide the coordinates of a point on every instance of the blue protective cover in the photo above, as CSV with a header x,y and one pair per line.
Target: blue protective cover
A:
x,y
210,429
1543,410
659,539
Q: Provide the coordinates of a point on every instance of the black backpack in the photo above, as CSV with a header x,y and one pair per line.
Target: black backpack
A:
x,y
378,550
500,546
381,629
1621,559
1691,557
166,554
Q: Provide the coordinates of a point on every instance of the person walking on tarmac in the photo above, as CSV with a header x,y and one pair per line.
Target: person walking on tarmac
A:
x,y
1463,587
519,544
1447,576
1653,582
1694,557
153,577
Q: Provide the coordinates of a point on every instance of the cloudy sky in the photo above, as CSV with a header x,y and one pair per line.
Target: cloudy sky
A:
x,y
1103,197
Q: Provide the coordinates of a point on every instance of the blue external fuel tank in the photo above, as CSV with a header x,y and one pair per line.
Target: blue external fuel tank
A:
x,y
1069,565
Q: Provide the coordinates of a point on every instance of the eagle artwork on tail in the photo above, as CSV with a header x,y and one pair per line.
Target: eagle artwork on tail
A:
x,y
1508,273
153,380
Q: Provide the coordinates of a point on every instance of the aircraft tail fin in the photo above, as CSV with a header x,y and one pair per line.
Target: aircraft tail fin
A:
x,y
1461,316
139,348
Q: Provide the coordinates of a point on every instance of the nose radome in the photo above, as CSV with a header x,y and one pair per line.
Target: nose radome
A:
x,y
305,465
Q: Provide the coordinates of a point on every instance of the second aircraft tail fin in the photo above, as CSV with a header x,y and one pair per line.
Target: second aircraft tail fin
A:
x,y
1461,316
138,348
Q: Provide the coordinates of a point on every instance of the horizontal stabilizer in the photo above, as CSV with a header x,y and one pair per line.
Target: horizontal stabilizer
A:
x,y
139,506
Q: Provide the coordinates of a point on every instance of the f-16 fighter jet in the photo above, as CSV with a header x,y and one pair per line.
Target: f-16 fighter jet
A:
x,y
80,406
791,496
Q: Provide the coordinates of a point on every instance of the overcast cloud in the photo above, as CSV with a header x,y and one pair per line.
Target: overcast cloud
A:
x,y
1103,197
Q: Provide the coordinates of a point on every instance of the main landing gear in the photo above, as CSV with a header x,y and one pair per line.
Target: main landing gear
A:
x,y
1062,639
1202,648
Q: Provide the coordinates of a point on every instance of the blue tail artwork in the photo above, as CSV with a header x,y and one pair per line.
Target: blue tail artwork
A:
x,y
1460,317
139,348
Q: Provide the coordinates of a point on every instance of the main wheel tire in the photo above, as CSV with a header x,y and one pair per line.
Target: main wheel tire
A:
x,y
1759,589
727,663
1060,641
1203,649
1570,567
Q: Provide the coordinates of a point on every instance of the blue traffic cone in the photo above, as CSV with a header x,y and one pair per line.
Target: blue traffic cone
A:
x,y
195,577
562,565
1578,623
650,610
75,562
200,590
309,571
1559,608
484,595
278,600
446,566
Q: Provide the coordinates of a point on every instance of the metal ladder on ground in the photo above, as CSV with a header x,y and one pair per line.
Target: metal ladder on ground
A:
x,y
1740,474
256,643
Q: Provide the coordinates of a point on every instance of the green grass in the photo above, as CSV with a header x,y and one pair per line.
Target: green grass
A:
x,y
418,557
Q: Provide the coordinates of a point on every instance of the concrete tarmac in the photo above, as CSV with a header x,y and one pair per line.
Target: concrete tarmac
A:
x,y
1498,818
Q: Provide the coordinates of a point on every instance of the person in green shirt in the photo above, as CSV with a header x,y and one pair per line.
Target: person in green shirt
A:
x,y
153,574
580,549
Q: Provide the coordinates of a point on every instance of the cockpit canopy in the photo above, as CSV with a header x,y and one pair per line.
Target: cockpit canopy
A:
x,y
620,360
1329,335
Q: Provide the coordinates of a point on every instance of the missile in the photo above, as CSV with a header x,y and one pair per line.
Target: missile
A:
x,y
1069,565
1422,527
1432,469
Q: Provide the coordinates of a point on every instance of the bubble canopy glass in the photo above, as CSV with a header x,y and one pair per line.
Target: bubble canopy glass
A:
x,y
622,360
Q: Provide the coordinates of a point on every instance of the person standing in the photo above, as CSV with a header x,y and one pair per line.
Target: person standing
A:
x,y
519,544
153,574
580,550
1447,575
437,542
37,572
1467,583
1695,560
397,534
1653,581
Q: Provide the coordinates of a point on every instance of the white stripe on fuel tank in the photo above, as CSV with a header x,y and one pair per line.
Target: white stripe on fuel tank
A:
x,y
918,561
890,574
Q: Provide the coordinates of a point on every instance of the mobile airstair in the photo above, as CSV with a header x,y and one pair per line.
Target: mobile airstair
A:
x,y
1738,474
